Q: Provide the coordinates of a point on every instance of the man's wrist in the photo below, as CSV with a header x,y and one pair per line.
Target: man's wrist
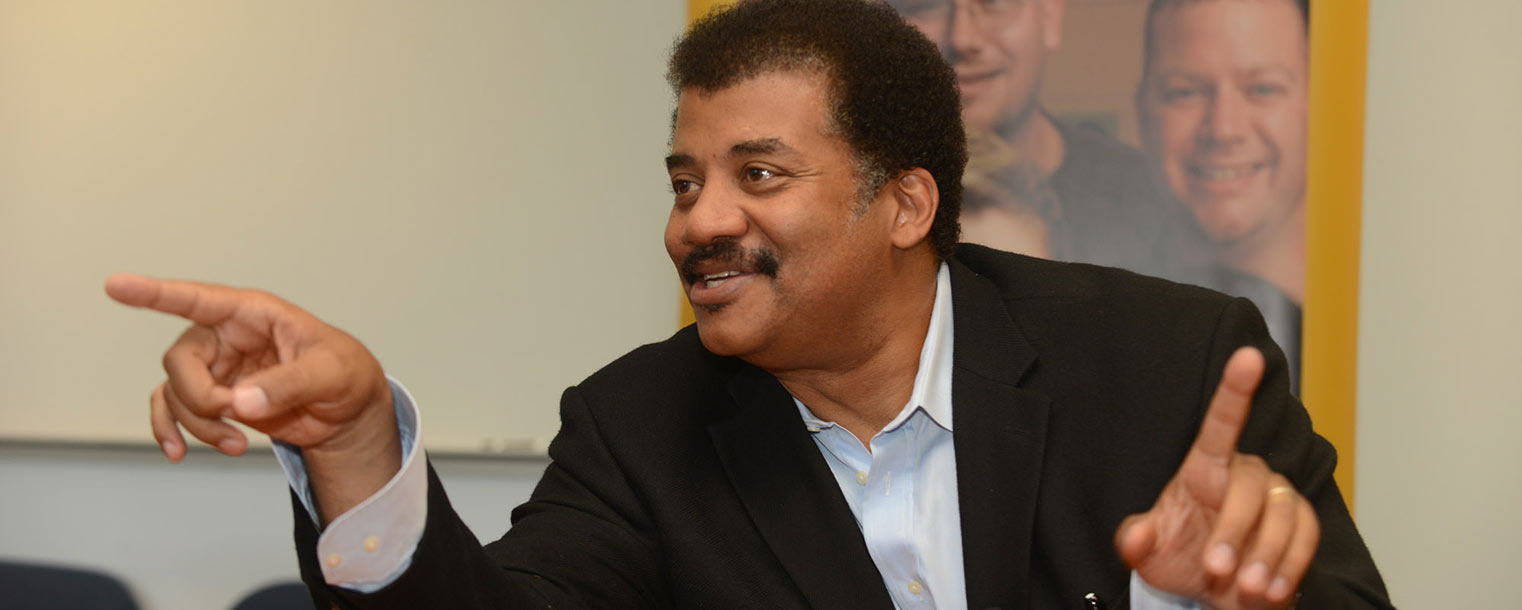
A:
x,y
370,545
357,463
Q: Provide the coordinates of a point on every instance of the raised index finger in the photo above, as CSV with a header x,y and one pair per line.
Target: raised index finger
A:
x,y
1228,409
207,304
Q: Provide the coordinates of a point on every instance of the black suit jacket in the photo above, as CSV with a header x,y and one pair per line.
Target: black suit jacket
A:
x,y
684,479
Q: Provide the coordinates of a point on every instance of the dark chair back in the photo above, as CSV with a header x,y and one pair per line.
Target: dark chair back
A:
x,y
279,596
27,586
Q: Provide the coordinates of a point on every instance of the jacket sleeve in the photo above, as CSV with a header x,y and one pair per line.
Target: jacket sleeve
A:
x,y
581,541
1342,574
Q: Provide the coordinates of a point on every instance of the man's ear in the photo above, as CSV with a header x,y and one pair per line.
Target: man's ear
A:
x,y
1051,23
915,200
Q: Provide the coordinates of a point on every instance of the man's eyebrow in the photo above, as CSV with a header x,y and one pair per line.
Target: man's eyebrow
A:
x,y
764,146
1277,69
676,160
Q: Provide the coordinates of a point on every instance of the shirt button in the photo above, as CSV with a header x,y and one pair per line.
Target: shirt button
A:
x,y
372,543
334,560
861,477
812,428
914,587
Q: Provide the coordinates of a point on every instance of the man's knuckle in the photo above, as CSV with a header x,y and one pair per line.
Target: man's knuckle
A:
x,y
300,377
184,410
1253,462
264,298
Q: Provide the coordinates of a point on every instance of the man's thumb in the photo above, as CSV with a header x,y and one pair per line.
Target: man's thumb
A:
x,y
275,390
1135,538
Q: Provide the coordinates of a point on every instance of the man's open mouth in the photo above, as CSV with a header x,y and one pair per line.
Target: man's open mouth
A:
x,y
1224,172
714,280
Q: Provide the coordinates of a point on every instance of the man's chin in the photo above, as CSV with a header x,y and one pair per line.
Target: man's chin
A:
x,y
977,119
1228,220
721,337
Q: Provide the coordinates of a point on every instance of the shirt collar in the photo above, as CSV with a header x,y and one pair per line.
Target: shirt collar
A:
x,y
932,381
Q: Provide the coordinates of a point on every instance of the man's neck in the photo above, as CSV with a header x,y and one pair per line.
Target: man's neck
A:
x,y
1276,254
864,390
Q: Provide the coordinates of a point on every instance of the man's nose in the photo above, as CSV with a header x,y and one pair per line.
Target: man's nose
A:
x,y
716,214
1226,118
963,32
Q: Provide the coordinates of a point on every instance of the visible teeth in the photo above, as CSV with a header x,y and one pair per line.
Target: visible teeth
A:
x,y
1224,173
714,280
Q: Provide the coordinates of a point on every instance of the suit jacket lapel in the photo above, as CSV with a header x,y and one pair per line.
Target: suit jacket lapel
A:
x,y
1000,436
793,498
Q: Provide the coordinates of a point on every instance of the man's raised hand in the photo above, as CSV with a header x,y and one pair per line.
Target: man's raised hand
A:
x,y
1226,531
254,358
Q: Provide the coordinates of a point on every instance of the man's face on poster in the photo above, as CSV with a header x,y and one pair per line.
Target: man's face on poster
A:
x,y
998,49
1223,110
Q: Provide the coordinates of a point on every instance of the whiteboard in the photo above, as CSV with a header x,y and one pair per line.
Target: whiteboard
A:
x,y
473,189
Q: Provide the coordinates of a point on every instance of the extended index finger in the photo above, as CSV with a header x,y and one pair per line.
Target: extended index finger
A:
x,y
207,304
1228,409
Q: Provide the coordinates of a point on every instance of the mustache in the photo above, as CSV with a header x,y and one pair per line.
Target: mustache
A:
x,y
760,260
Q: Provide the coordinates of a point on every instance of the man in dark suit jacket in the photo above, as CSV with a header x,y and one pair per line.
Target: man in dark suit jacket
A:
x,y
815,161
1078,390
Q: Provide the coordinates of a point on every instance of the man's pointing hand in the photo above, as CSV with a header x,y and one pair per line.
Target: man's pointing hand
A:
x,y
251,357
1226,531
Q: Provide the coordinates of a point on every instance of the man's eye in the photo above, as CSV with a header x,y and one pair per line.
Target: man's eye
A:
x,y
758,174
683,187
1262,90
915,8
999,8
1177,94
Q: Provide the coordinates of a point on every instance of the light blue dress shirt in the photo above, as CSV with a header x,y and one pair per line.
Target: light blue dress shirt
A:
x,y
903,493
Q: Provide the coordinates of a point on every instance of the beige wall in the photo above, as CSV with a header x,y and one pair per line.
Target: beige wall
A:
x,y
1440,409
472,187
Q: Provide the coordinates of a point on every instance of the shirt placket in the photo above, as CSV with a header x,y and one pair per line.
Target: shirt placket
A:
x,y
888,518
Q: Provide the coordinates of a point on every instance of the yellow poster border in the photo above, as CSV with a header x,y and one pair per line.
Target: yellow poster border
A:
x,y
1333,225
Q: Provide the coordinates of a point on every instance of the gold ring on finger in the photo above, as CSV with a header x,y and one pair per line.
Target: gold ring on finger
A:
x,y
1275,492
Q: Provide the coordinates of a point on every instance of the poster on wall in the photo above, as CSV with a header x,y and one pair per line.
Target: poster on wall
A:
x,y
1163,136
1172,138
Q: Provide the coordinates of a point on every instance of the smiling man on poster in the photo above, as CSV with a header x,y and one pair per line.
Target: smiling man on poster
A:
x,y
1223,103
1037,184
866,415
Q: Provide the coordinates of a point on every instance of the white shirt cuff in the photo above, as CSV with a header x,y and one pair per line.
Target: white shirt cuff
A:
x,y
371,545
1145,597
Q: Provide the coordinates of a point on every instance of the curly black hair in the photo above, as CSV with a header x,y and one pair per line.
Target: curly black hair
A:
x,y
894,99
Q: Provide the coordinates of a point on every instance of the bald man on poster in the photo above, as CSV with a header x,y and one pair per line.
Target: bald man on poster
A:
x,y
865,415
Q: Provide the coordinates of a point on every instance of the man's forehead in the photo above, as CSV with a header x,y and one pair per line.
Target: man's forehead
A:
x,y
797,80
1228,17
772,112
1275,39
